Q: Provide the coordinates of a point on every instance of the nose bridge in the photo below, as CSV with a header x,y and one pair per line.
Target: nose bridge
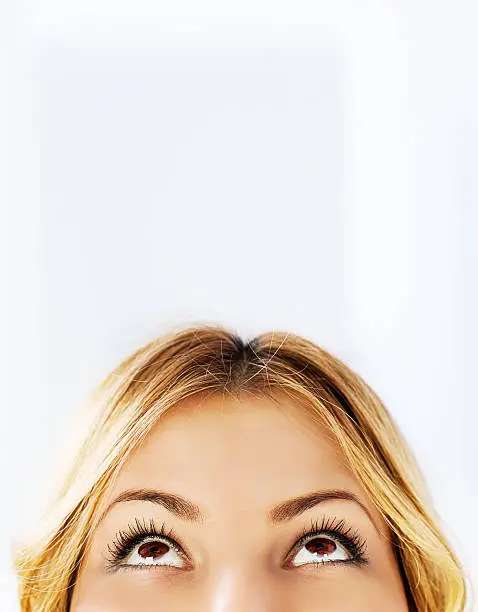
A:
x,y
240,589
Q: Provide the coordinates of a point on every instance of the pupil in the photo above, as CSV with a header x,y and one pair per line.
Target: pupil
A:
x,y
153,549
321,546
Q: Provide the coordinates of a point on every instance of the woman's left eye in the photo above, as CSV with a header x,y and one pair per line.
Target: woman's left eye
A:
x,y
321,549
153,551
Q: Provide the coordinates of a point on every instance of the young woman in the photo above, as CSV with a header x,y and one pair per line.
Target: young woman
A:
x,y
220,475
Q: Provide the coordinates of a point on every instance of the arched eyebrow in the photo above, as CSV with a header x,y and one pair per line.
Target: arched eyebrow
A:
x,y
280,513
177,505
291,508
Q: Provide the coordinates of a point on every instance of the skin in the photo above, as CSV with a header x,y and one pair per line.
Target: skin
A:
x,y
236,460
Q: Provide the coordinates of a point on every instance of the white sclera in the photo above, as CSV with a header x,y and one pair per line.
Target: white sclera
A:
x,y
170,558
304,556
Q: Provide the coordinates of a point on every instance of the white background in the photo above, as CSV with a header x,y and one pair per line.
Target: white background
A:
x,y
307,167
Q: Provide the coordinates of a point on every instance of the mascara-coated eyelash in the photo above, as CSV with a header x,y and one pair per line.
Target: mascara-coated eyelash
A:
x,y
337,530
126,541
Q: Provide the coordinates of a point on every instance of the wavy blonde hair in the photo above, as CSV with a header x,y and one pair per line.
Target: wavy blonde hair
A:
x,y
204,359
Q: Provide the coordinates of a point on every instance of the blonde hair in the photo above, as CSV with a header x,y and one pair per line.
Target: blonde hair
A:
x,y
204,359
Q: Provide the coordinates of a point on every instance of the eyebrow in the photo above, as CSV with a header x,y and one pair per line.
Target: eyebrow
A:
x,y
280,513
290,509
180,506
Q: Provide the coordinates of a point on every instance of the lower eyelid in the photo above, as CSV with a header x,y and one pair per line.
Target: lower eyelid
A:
x,y
319,566
149,567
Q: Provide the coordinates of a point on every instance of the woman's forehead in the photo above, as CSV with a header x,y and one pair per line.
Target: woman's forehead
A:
x,y
222,448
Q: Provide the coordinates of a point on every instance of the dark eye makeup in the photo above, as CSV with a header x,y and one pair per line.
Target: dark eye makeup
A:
x,y
125,541
329,530
325,534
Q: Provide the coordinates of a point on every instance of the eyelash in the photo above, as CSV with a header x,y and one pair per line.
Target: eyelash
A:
x,y
338,530
125,541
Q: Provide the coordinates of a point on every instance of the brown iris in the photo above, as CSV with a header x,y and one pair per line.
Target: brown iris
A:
x,y
321,546
153,549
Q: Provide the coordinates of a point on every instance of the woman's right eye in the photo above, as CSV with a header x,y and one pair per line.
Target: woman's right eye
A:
x,y
154,551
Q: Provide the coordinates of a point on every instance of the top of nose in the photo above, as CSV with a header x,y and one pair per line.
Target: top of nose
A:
x,y
243,590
